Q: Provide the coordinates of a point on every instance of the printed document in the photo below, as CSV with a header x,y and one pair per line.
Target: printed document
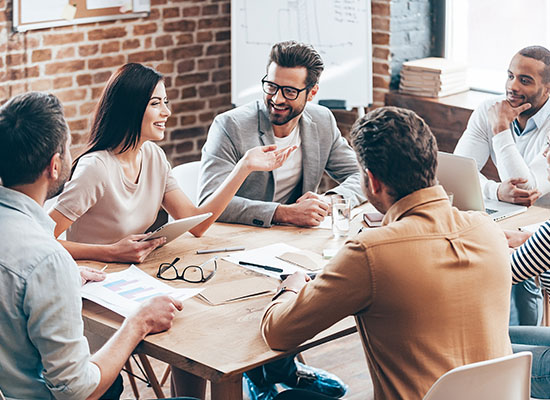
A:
x,y
124,291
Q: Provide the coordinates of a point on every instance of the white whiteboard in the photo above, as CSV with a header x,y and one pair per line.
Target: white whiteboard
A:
x,y
340,30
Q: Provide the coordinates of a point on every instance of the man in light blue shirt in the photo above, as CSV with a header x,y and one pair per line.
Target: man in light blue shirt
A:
x,y
43,352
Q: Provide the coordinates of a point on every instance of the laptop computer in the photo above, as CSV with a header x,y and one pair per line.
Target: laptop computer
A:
x,y
459,175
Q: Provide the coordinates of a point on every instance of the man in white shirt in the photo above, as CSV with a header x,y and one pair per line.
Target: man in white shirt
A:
x,y
43,352
286,116
513,131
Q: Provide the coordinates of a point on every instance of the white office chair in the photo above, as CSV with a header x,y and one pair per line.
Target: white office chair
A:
x,y
187,176
504,378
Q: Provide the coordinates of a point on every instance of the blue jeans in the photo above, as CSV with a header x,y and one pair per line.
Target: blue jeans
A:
x,y
280,371
115,390
526,304
535,339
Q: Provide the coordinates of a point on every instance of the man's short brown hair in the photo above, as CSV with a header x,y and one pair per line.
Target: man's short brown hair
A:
x,y
398,147
292,54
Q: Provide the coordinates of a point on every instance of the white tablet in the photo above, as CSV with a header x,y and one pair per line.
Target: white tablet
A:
x,y
175,229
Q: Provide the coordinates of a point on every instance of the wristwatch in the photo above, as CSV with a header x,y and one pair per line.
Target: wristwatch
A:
x,y
281,291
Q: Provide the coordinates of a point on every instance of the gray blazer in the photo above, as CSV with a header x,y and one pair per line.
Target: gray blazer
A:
x,y
236,131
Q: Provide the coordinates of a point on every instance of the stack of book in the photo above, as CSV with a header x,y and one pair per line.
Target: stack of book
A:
x,y
433,77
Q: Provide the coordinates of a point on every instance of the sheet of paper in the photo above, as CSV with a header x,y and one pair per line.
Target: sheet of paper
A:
x,y
326,223
34,10
127,7
267,255
95,4
238,290
124,291
531,228
141,5
69,12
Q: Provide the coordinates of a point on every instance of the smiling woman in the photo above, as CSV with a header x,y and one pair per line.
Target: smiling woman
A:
x,y
120,182
156,115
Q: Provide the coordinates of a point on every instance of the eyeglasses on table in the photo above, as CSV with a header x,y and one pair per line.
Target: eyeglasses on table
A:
x,y
191,273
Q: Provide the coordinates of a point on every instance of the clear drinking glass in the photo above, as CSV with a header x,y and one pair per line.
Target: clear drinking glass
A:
x,y
341,215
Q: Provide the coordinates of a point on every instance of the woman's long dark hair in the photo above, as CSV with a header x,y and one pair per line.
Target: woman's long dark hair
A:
x,y
119,113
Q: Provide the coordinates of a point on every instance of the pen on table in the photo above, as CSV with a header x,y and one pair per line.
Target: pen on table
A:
x,y
274,269
207,251
103,269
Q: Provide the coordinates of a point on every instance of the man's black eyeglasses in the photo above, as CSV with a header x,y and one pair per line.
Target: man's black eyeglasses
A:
x,y
289,92
191,273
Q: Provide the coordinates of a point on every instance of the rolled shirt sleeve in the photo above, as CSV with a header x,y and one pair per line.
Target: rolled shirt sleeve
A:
x,y
53,305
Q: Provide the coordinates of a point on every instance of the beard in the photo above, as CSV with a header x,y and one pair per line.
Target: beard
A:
x,y
278,118
55,190
536,100
59,185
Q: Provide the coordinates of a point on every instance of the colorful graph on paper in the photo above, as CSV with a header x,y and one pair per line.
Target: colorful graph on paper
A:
x,y
133,289
122,292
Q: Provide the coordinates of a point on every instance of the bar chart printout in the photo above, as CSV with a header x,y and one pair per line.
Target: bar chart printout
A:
x,y
132,289
122,292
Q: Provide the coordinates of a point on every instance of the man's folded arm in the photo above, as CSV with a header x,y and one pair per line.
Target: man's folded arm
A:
x,y
512,165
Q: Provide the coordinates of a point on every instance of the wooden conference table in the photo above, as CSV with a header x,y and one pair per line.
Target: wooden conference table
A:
x,y
221,342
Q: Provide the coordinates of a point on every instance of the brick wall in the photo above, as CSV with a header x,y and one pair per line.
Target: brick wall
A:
x,y
187,41
411,33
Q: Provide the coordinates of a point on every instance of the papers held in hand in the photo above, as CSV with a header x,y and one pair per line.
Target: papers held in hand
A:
x,y
305,259
175,229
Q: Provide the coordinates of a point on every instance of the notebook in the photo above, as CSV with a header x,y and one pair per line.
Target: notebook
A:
x,y
459,175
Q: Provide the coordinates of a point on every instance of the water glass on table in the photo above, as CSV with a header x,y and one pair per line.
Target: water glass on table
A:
x,y
341,215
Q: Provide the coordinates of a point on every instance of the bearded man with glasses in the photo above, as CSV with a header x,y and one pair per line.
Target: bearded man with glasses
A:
x,y
286,117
